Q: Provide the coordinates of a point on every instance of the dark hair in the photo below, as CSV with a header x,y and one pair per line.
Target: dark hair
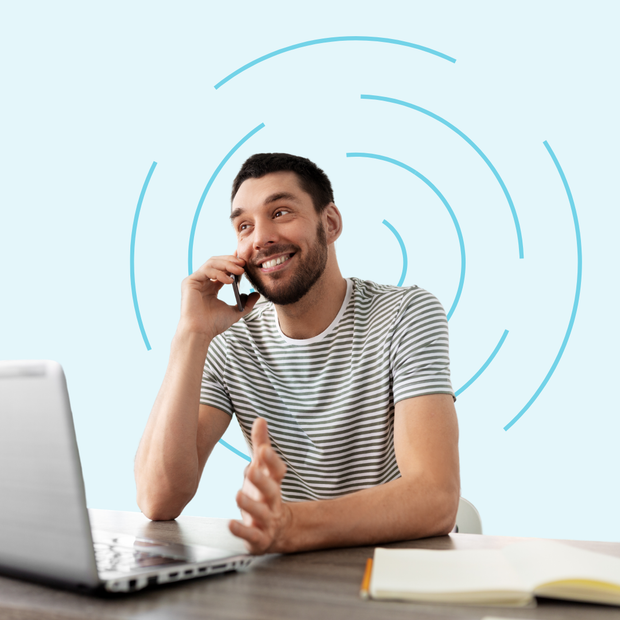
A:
x,y
312,179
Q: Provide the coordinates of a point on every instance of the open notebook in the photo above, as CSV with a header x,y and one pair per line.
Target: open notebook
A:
x,y
511,576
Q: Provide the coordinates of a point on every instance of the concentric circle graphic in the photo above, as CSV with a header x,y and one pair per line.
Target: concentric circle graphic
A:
x,y
414,176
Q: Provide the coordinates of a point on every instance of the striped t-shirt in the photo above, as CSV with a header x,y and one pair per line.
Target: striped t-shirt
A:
x,y
329,400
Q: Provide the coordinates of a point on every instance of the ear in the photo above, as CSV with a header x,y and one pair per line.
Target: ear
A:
x,y
332,221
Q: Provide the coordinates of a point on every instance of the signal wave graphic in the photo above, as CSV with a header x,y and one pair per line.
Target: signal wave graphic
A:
x,y
382,159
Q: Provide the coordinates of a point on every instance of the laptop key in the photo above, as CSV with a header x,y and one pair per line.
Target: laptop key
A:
x,y
125,559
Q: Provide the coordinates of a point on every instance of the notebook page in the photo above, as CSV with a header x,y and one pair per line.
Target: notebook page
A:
x,y
544,561
421,574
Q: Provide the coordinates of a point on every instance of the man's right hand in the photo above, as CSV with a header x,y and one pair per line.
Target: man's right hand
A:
x,y
201,310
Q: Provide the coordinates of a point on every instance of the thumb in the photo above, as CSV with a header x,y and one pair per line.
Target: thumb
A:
x,y
249,301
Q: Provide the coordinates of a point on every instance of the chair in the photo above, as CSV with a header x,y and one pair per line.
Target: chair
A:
x,y
468,518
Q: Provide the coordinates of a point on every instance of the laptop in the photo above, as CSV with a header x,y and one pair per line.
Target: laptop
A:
x,y
45,533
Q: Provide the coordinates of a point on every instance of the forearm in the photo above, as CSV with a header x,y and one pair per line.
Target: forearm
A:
x,y
422,502
404,509
167,466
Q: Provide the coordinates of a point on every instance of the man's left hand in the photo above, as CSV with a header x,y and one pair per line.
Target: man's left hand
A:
x,y
265,516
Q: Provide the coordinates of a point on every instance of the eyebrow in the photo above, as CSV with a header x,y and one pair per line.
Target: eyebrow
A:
x,y
235,213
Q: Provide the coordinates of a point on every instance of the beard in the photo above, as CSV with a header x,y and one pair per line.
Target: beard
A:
x,y
300,282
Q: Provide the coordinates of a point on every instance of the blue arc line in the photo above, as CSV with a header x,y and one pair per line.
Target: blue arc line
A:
x,y
333,40
445,203
485,365
571,322
192,234
471,143
132,252
233,449
402,249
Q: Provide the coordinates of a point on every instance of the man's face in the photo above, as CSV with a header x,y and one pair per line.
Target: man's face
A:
x,y
280,236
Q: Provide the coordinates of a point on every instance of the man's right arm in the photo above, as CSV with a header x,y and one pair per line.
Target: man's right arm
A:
x,y
181,433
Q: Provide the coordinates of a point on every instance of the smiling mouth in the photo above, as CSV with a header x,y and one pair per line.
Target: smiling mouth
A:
x,y
268,264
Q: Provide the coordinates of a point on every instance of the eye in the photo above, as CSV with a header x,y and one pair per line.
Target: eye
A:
x,y
280,212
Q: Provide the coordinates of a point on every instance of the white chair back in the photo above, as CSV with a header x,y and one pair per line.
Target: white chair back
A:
x,y
468,518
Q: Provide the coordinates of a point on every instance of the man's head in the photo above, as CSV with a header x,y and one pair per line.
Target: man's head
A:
x,y
285,229
310,177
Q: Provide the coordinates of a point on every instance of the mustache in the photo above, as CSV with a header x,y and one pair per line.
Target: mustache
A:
x,y
277,249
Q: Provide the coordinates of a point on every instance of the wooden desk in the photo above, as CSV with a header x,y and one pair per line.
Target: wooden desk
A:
x,y
317,586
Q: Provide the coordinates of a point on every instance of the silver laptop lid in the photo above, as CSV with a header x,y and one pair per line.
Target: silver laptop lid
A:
x,y
44,527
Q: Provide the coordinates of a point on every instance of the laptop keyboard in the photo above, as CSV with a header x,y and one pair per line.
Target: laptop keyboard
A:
x,y
115,557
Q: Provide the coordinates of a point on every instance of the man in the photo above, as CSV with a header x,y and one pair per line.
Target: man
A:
x,y
341,387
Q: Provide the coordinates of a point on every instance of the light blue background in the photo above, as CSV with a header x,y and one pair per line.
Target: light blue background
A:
x,y
92,95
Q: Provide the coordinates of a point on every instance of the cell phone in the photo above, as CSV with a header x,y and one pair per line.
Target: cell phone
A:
x,y
235,285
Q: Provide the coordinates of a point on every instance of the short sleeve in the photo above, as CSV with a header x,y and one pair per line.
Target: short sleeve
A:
x,y
213,390
419,353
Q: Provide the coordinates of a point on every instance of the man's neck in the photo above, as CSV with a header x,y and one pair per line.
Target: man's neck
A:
x,y
316,310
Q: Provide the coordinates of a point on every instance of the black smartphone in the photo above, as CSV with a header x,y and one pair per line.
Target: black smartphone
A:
x,y
235,285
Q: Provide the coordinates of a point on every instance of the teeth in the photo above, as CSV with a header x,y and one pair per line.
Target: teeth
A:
x,y
276,261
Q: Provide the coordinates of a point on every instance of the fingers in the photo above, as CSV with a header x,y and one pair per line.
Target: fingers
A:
x,y
249,301
260,498
256,541
209,278
220,269
249,488
262,486
259,512
264,455
267,486
260,435
276,466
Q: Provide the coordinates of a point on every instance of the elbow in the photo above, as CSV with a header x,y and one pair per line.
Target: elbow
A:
x,y
157,510
158,505
446,522
159,500
446,507
438,512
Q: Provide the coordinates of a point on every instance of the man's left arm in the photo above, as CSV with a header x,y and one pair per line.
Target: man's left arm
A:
x,y
422,502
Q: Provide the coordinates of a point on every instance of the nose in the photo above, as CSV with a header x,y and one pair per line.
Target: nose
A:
x,y
264,234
